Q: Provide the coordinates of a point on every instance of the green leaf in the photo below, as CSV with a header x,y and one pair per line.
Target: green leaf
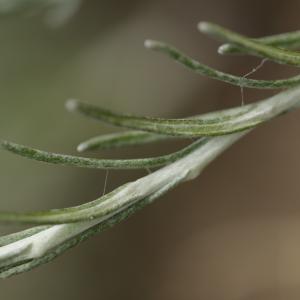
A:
x,y
95,209
254,47
119,139
133,137
205,70
28,249
289,40
83,162
29,264
224,122
54,240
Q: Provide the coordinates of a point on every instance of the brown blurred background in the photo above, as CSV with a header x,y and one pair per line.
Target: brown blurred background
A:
x,y
233,233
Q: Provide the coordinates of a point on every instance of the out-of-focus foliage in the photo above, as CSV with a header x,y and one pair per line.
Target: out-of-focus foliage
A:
x,y
57,12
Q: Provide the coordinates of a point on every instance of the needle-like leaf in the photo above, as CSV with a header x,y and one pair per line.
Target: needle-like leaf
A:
x,y
28,249
8,269
133,137
83,162
237,119
218,75
119,139
289,40
257,48
25,254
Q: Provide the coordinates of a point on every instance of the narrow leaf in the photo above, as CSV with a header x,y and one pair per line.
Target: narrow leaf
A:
x,y
119,139
257,48
29,264
289,40
95,209
83,162
237,119
218,75
44,246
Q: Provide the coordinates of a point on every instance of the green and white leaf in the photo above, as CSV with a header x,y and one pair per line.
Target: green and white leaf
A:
x,y
289,40
278,55
234,120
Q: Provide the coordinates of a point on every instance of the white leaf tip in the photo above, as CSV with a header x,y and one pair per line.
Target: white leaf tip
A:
x,y
223,49
203,26
150,44
71,104
81,147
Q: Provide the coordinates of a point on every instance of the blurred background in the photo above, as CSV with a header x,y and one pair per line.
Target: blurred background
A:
x,y
233,233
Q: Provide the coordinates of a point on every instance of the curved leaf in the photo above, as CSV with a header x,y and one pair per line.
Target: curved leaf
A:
x,y
289,40
257,48
218,75
84,162
119,139
237,119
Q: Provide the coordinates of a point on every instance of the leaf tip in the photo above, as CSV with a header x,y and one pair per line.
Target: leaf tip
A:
x,y
82,147
204,27
150,44
223,49
4,144
72,104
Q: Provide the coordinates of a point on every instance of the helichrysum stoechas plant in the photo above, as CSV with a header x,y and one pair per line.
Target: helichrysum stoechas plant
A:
x,y
57,230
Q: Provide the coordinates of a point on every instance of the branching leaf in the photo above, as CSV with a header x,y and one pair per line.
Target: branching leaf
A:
x,y
54,240
68,227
